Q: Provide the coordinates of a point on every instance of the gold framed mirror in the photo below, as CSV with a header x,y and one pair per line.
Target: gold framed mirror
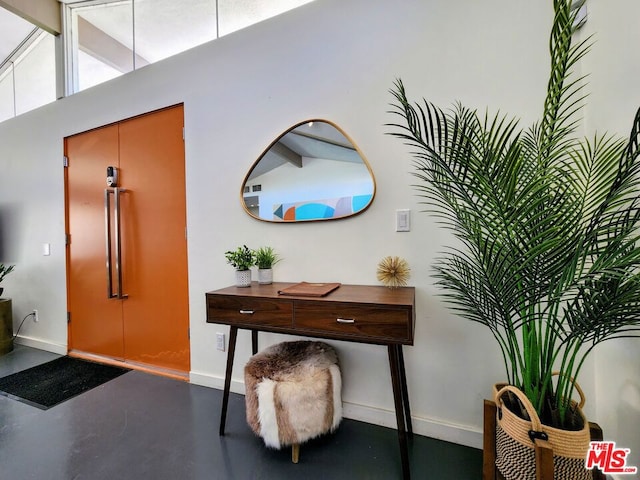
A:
x,y
312,172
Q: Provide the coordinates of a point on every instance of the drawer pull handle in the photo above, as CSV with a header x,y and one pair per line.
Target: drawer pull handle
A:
x,y
346,320
246,312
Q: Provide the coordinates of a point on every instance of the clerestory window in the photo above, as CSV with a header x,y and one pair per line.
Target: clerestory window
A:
x,y
103,39
27,66
112,37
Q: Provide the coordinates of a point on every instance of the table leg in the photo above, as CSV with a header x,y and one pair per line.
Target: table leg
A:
x,y
394,364
405,391
227,378
254,341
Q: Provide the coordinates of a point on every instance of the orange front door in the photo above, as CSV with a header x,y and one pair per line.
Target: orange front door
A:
x,y
149,324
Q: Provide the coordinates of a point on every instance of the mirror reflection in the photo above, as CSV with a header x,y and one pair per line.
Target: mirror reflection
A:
x,y
311,172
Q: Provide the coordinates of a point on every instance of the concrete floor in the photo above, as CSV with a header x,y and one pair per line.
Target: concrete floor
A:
x,y
141,426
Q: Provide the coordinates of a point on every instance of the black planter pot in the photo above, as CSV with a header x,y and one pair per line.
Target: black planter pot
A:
x,y
6,326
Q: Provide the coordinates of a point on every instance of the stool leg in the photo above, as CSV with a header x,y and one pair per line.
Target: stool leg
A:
x,y
295,452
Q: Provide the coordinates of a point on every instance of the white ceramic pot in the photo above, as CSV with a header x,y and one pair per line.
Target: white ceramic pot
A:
x,y
265,276
243,278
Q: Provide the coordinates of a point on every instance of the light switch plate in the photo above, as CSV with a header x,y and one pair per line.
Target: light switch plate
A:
x,y
403,220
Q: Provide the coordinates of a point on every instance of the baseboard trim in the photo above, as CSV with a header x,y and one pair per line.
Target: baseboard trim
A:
x,y
207,380
428,427
41,344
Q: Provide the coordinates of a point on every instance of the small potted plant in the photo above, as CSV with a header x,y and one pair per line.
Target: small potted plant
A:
x,y
6,318
266,258
242,259
4,271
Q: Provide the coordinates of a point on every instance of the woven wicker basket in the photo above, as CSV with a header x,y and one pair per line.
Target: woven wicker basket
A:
x,y
515,454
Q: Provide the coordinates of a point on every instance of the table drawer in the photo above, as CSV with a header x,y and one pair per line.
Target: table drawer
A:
x,y
249,311
353,320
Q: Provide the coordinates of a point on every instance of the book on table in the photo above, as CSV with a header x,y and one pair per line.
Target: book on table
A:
x,y
307,289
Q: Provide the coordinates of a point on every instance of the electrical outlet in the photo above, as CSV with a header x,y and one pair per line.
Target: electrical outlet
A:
x,y
220,341
35,315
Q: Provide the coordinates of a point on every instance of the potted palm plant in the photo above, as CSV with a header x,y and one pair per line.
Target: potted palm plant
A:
x,y
242,259
4,271
549,229
266,258
6,315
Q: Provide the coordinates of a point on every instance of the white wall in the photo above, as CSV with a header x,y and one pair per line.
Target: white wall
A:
x,y
614,99
330,59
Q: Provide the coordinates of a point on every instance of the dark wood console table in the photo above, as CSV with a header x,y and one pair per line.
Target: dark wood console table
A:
x,y
353,313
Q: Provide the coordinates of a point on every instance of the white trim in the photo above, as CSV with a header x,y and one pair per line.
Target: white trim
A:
x,y
428,427
207,380
67,50
41,344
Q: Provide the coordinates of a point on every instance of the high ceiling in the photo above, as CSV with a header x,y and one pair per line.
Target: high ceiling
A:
x,y
14,30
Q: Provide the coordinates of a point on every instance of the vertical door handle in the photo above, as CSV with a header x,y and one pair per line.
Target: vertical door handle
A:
x,y
107,235
118,238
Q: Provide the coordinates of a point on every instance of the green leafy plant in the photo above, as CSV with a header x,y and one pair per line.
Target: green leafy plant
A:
x,y
548,225
266,257
4,270
242,258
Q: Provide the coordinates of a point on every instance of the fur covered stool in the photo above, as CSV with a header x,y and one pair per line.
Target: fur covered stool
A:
x,y
293,393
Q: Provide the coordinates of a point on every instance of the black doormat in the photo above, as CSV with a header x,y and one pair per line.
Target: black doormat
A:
x,y
51,383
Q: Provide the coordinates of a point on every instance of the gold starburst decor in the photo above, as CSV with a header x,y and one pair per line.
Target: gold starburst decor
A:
x,y
393,272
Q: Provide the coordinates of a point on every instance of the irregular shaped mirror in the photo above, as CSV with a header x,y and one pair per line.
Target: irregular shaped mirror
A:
x,y
313,171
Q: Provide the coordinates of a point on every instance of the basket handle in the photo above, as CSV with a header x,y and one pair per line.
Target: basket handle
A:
x,y
536,424
577,387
